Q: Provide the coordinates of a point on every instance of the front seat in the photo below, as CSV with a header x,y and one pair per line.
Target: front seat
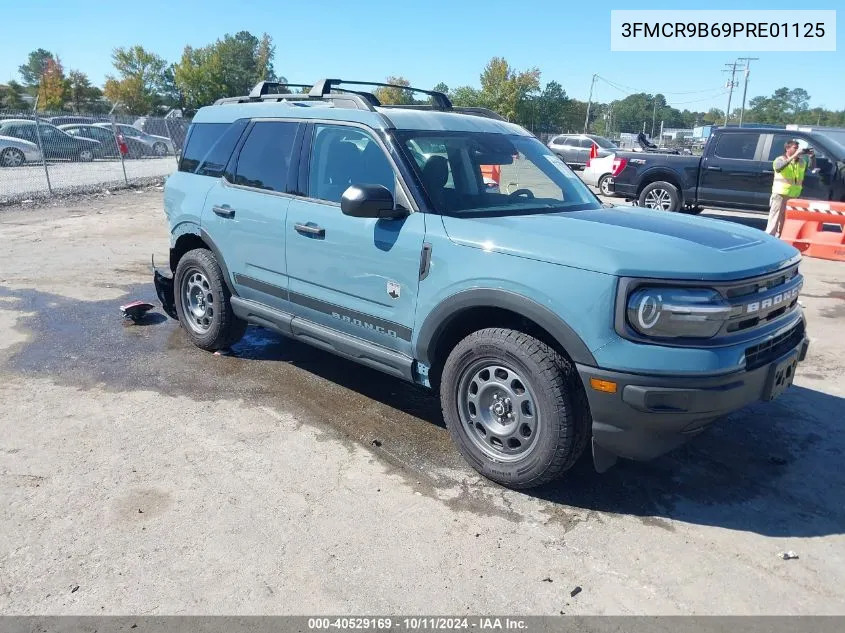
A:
x,y
435,174
342,169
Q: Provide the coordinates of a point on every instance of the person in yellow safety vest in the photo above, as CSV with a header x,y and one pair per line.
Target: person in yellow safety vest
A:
x,y
788,182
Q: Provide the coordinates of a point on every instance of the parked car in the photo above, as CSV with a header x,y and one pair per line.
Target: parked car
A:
x,y
546,321
734,172
15,152
574,149
157,145
108,142
59,121
599,173
55,143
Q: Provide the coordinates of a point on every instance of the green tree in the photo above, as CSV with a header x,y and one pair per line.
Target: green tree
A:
x,y
53,89
395,96
229,67
139,81
82,95
465,97
32,71
441,87
10,96
503,89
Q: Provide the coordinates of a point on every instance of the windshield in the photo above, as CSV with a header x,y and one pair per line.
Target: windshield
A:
x,y
485,173
836,139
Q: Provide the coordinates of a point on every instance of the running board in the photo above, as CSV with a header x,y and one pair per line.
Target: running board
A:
x,y
322,337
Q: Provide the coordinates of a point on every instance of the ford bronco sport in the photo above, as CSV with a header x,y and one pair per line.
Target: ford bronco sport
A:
x,y
547,321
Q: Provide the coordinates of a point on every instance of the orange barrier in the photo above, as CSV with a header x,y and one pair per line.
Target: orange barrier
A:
x,y
492,171
804,228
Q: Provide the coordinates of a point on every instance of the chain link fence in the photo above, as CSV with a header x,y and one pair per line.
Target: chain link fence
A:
x,y
46,154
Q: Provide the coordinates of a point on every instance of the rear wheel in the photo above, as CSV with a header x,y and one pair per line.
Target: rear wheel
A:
x,y
203,302
660,195
606,184
85,155
514,407
12,157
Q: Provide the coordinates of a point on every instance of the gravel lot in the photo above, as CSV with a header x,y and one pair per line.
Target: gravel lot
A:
x,y
30,180
142,475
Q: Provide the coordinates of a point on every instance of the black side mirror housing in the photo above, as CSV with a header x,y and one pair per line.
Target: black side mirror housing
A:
x,y
370,201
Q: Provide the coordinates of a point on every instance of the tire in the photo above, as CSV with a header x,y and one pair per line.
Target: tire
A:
x,y
604,185
12,157
85,155
660,195
160,149
207,318
693,210
482,377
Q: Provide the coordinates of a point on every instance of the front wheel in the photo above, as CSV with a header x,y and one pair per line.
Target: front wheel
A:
x,y
160,149
662,196
85,155
514,407
202,302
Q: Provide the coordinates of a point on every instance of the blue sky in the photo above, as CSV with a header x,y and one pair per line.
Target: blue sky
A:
x,y
426,41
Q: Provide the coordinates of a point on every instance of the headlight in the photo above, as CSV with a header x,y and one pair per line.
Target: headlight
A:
x,y
677,312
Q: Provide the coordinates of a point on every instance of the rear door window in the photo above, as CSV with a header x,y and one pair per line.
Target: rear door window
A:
x,y
264,159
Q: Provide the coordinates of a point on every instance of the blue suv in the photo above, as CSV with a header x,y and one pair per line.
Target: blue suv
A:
x,y
546,320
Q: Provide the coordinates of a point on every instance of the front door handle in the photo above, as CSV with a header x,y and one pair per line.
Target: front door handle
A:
x,y
224,212
713,168
310,229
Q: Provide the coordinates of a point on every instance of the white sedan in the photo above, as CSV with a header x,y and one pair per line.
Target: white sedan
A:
x,y
599,174
14,152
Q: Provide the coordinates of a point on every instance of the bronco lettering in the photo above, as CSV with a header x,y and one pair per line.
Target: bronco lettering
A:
x,y
364,324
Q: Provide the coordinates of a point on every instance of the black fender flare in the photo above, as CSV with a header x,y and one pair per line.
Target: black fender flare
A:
x,y
206,238
438,319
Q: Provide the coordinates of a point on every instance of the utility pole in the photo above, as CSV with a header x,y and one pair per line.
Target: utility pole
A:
x,y
589,103
747,61
731,84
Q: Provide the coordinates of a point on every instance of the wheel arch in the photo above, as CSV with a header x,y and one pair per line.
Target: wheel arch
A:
x,y
658,175
478,308
191,236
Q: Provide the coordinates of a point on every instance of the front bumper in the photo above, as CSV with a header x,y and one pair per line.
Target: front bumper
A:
x,y
648,416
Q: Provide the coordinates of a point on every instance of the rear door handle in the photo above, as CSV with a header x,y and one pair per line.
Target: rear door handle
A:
x,y
713,168
224,212
310,229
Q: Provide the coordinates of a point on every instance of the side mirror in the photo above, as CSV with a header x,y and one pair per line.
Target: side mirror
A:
x,y
370,201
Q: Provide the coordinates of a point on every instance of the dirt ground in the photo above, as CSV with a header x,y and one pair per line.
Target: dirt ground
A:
x,y
141,475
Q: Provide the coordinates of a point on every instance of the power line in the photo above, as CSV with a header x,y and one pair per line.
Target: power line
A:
x,y
624,88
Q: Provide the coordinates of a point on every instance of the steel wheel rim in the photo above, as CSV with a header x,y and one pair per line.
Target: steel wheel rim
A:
x,y
604,185
199,301
13,158
498,411
658,199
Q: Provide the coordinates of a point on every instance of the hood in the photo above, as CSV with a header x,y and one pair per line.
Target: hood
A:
x,y
629,241
17,142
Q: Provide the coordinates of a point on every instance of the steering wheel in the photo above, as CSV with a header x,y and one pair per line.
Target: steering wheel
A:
x,y
522,192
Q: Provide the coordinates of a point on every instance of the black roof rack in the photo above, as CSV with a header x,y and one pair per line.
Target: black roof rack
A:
x,y
324,87
329,90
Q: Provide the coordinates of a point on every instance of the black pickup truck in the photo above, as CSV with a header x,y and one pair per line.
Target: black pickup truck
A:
x,y
734,171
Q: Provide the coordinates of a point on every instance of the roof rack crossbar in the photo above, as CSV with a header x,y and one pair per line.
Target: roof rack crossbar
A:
x,y
439,100
343,99
264,87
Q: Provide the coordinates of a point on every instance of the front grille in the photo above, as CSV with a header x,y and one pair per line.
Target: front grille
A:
x,y
764,353
761,301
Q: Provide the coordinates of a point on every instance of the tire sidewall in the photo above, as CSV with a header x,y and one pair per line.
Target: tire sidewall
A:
x,y
204,261
537,462
674,195
603,181
14,152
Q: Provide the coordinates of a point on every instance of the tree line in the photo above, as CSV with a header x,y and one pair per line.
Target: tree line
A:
x,y
145,83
